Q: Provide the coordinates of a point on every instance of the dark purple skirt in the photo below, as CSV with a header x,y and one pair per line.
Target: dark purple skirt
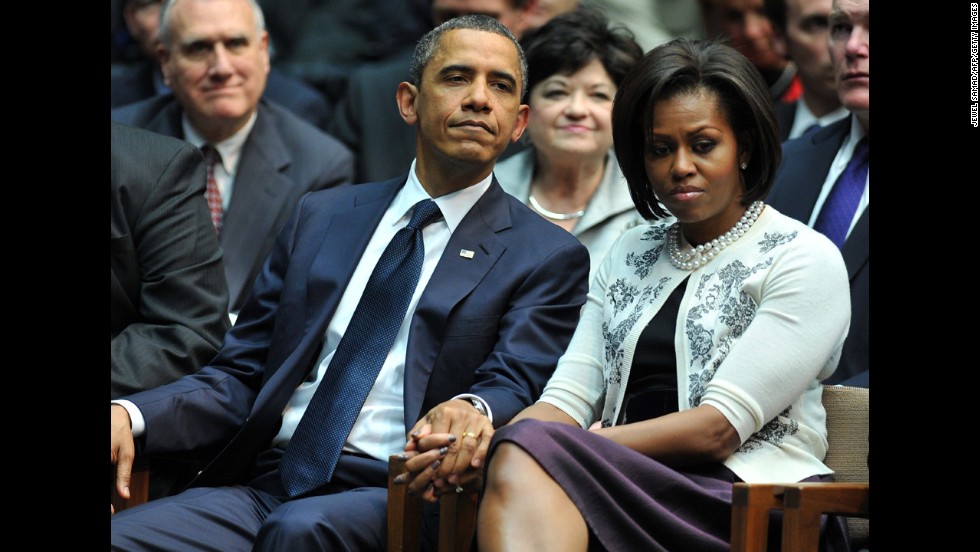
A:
x,y
632,502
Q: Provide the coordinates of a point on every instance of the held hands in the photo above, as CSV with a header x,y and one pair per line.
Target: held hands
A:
x,y
445,451
122,450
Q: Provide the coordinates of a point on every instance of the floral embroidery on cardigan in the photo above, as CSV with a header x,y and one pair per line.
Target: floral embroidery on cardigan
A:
x,y
620,295
771,241
774,432
721,292
644,261
614,336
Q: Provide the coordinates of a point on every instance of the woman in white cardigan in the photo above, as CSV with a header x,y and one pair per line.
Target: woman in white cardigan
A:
x,y
698,358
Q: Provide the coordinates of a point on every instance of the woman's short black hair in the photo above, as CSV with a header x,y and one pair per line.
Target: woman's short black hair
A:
x,y
571,40
682,66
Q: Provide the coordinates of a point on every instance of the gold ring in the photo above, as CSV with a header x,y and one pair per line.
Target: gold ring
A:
x,y
459,489
469,434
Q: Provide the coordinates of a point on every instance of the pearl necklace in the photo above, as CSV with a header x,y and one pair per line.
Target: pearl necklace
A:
x,y
703,253
551,214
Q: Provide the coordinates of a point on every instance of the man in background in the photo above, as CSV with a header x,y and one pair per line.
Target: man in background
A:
x,y
141,78
262,158
825,179
800,35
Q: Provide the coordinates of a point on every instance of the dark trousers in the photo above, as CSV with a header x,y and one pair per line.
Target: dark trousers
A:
x,y
349,513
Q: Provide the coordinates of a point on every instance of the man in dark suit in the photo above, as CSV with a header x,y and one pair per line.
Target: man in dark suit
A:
x,y
168,301
496,303
138,80
812,165
215,59
800,35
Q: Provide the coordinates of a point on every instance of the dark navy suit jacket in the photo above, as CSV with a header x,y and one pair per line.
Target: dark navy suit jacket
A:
x,y
494,324
785,116
806,162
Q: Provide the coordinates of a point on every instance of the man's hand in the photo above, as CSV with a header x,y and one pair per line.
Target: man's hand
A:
x,y
122,450
446,450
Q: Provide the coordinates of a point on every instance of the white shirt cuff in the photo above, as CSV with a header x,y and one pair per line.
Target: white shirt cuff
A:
x,y
135,416
483,402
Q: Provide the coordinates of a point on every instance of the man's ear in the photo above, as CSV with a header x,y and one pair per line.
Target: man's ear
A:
x,y
523,114
405,96
162,58
264,45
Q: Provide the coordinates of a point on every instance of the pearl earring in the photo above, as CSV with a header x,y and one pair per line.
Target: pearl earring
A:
x,y
744,166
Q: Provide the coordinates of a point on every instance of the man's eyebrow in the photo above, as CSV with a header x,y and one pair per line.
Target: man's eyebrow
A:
x,y
467,70
456,68
208,40
505,76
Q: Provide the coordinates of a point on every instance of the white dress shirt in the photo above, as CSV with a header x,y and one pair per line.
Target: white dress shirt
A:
x,y
379,430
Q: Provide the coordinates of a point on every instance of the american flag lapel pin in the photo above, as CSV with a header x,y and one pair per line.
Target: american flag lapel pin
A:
x,y
466,253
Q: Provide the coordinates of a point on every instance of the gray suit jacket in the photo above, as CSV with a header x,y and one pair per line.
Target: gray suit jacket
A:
x,y
283,158
168,302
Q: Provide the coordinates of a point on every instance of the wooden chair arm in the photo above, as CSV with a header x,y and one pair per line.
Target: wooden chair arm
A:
x,y
751,504
404,512
804,503
457,517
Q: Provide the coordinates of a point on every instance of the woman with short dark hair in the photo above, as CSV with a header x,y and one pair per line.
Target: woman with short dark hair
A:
x,y
569,174
698,358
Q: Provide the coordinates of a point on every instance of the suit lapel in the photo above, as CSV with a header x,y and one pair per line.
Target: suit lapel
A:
x,y
785,117
857,247
335,260
167,119
261,194
327,266
454,278
808,165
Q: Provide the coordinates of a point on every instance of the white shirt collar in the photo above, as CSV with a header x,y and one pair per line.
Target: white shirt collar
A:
x,y
847,148
454,206
805,118
229,149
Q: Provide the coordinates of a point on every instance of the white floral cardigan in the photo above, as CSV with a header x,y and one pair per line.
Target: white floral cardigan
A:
x,y
758,328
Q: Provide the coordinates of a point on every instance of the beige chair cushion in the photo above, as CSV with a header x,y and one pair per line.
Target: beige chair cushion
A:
x,y
847,433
